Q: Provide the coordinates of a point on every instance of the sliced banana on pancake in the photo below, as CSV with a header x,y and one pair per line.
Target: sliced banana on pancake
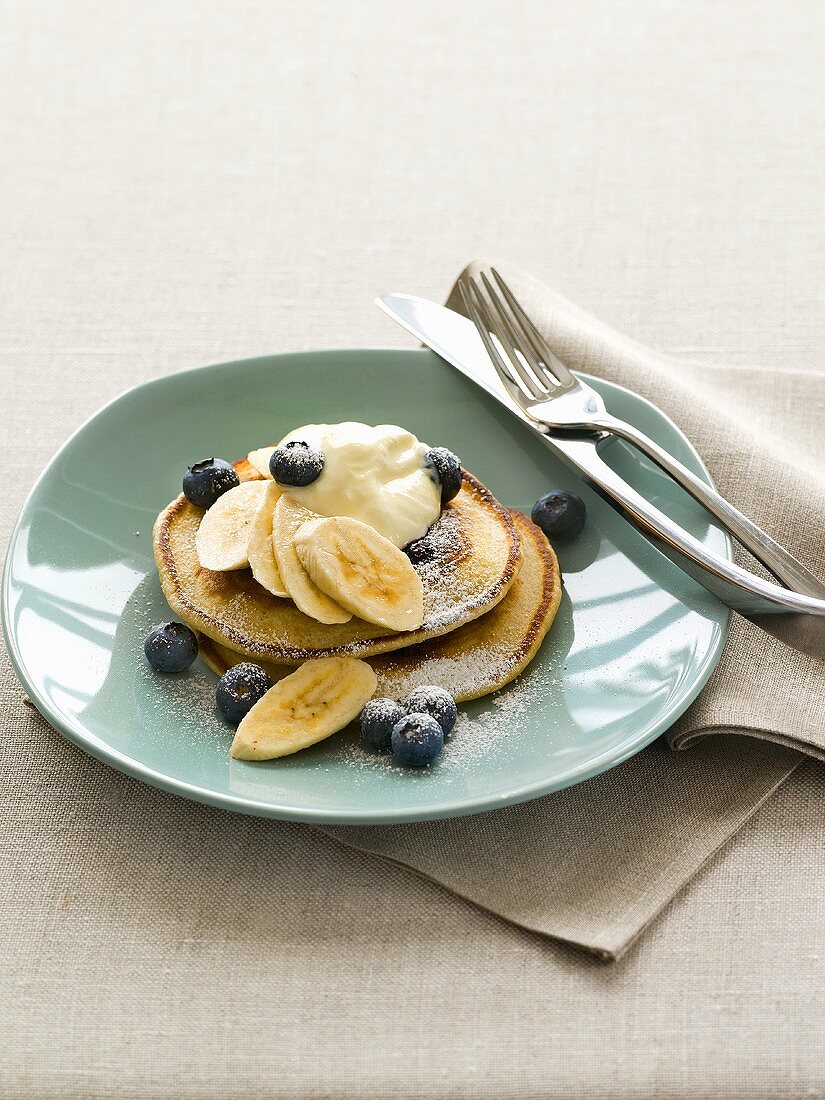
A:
x,y
259,461
222,540
261,550
475,660
473,557
288,517
315,701
362,571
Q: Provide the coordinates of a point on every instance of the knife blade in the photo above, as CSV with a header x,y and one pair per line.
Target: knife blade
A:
x,y
456,340
796,619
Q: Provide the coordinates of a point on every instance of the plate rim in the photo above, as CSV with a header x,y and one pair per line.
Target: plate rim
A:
x,y
78,735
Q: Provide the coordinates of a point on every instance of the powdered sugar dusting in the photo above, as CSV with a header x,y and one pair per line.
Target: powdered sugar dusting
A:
x,y
464,578
449,591
184,701
487,731
189,695
469,674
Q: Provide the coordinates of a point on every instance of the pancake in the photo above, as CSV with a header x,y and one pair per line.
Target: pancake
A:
x,y
473,555
478,658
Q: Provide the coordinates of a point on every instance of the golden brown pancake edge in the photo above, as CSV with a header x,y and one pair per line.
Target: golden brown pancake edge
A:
x,y
513,632
233,610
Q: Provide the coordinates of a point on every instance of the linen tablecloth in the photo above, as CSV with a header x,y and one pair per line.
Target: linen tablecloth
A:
x,y
197,182
595,864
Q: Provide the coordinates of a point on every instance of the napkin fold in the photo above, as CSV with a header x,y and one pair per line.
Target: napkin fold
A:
x,y
595,863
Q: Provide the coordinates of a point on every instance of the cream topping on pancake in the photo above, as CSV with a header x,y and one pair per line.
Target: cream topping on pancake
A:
x,y
374,474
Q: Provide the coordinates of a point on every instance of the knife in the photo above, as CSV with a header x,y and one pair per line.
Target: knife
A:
x,y
796,619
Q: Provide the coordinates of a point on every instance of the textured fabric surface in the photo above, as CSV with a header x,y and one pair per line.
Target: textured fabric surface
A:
x,y
757,430
202,181
604,858
595,863
157,948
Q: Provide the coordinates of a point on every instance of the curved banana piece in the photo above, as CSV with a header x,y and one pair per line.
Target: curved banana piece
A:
x,y
261,550
222,538
315,701
362,571
259,460
289,516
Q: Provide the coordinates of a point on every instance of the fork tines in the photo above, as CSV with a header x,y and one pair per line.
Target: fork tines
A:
x,y
504,326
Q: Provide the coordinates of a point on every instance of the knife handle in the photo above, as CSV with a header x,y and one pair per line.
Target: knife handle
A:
x,y
773,556
795,618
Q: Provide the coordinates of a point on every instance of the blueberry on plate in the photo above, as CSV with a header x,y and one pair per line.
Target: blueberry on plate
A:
x,y
170,647
417,740
239,689
378,718
561,514
435,701
447,471
209,479
296,464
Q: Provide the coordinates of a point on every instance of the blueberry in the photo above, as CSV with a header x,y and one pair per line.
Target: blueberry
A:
x,y
561,514
239,689
296,464
417,740
170,647
434,701
420,551
442,541
377,720
204,482
447,471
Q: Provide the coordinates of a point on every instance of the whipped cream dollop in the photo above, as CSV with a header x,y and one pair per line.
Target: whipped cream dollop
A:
x,y
374,474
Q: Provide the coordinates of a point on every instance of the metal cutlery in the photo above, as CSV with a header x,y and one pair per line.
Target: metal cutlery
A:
x,y
797,617
548,393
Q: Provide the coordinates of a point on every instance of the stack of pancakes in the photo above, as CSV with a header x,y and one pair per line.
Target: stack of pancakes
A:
x,y
491,591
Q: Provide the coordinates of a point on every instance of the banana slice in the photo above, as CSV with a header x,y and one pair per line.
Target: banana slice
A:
x,y
223,536
315,701
260,550
288,517
260,461
362,571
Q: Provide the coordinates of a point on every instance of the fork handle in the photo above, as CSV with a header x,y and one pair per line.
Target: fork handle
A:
x,y
797,619
779,561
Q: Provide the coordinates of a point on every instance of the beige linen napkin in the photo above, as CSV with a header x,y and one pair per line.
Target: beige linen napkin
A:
x,y
595,863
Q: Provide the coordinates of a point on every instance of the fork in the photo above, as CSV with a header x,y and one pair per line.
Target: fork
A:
x,y
550,395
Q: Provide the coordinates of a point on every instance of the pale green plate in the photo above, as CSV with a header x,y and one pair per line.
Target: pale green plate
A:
x,y
634,641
